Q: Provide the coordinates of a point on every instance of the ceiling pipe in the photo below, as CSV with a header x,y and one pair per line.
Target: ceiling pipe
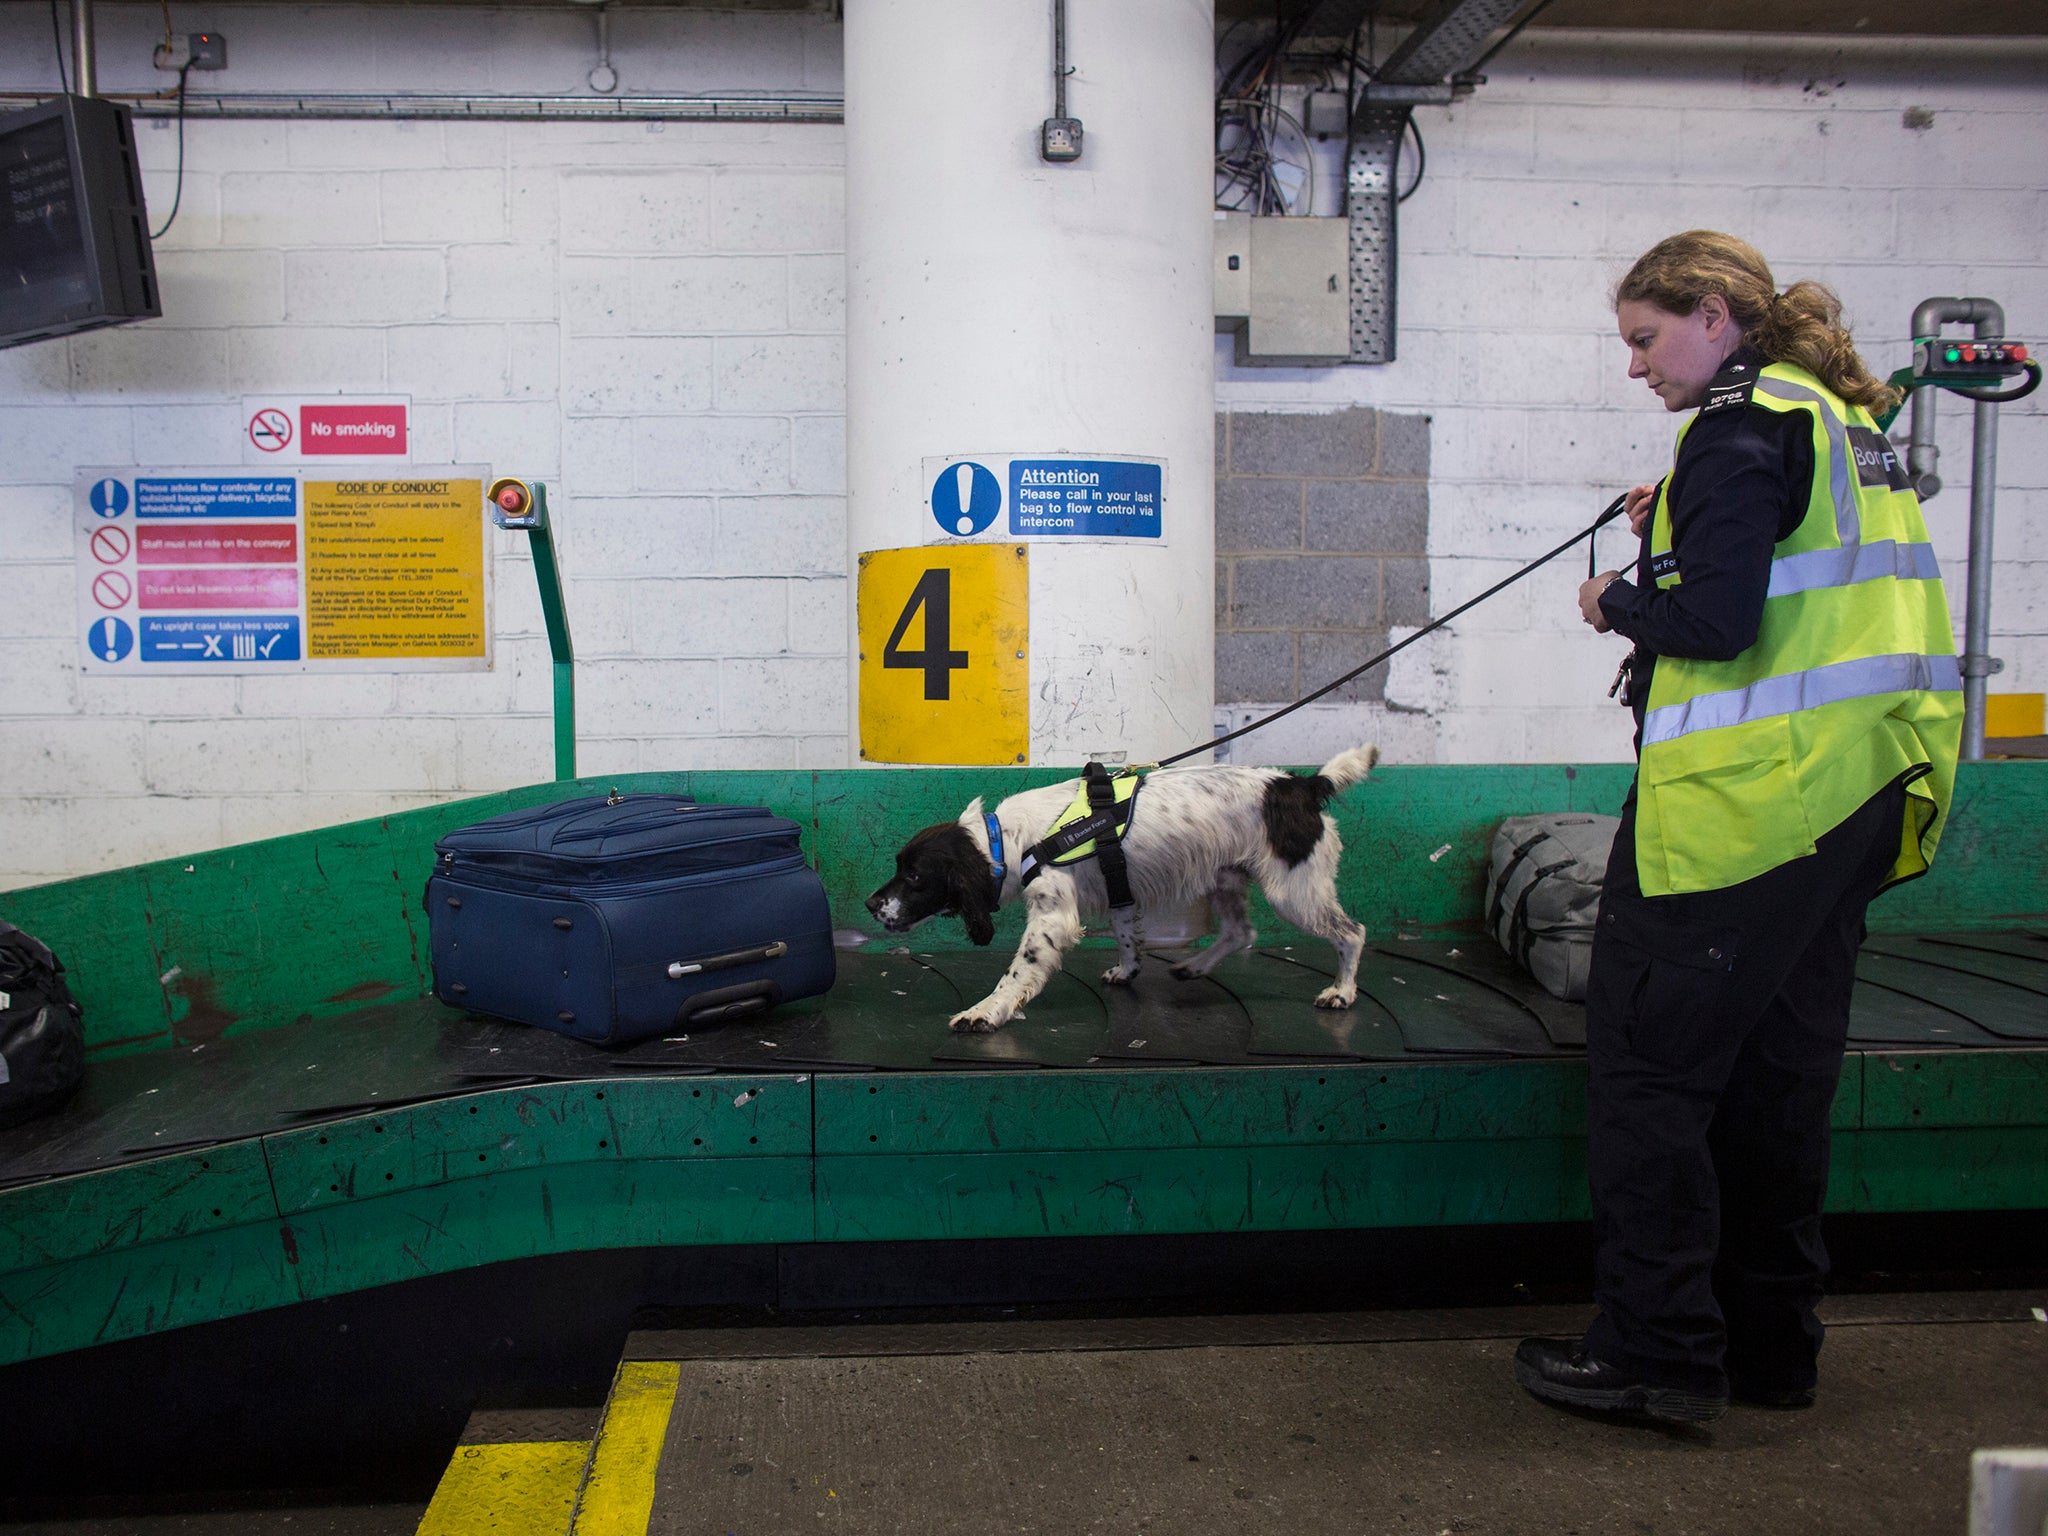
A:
x,y
84,78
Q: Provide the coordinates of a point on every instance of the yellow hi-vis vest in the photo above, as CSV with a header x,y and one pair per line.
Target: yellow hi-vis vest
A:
x,y
1852,682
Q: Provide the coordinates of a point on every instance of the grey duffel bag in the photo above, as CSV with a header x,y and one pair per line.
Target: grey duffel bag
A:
x,y
1543,894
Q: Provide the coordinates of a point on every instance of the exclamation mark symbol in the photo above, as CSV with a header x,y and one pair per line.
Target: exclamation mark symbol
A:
x,y
107,646
963,495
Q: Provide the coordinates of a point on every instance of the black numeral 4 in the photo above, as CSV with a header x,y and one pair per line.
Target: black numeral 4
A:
x,y
934,594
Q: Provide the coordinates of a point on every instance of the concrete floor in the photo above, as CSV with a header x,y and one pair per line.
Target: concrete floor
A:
x,y
1384,1434
1375,1422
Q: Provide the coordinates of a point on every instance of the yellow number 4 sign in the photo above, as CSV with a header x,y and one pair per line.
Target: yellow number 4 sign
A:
x,y
943,672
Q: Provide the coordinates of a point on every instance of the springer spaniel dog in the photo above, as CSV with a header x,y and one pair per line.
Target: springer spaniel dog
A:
x,y
1193,832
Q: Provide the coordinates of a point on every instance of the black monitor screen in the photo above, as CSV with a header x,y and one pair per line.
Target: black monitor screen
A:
x,y
74,235
44,243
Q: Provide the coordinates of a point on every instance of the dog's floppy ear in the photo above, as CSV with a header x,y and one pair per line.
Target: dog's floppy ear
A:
x,y
974,900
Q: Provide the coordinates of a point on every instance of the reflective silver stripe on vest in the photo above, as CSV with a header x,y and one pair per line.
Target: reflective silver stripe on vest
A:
x,y
1846,567
1810,689
1842,472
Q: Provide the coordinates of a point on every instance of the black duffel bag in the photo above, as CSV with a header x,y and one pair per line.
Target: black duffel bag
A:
x,y
42,1038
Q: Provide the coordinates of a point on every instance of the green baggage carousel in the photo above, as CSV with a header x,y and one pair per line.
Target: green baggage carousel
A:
x,y
276,1110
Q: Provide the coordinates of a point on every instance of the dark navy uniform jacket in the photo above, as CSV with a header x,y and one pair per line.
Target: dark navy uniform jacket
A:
x,y
1740,484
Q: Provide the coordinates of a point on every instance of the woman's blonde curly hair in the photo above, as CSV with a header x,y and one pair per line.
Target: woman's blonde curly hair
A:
x,y
1802,325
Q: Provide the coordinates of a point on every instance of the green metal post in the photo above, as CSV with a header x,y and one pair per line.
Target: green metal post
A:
x,y
549,575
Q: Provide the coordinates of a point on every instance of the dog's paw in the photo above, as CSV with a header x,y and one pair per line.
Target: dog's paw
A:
x,y
1117,976
1336,997
971,1022
1188,970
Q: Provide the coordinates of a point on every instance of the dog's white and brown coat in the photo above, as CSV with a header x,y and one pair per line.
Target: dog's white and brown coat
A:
x,y
1196,832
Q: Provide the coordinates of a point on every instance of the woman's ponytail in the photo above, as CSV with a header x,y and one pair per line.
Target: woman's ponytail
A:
x,y
1802,325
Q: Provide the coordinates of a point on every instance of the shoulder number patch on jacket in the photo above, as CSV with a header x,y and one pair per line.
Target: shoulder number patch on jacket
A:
x,y
1730,388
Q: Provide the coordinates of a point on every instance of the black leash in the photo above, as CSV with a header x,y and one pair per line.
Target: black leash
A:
x,y
1613,511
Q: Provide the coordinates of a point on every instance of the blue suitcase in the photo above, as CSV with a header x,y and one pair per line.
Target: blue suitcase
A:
x,y
615,918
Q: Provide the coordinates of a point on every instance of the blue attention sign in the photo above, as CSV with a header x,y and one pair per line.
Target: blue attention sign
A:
x,y
1085,498
196,496
110,638
229,638
966,499
109,498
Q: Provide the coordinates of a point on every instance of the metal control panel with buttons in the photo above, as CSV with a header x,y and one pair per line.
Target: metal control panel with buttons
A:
x,y
1969,362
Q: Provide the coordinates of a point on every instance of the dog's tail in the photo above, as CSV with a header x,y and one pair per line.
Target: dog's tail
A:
x,y
1349,766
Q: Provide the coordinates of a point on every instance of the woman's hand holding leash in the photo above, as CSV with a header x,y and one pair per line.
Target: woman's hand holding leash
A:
x,y
1637,508
1589,601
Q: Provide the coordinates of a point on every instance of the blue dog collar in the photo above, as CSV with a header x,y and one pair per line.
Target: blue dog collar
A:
x,y
995,849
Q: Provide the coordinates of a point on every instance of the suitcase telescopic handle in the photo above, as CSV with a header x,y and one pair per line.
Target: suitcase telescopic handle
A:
x,y
730,1003
678,969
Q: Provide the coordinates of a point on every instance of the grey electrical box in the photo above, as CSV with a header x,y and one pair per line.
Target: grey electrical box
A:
x,y
1328,114
1233,270
1284,286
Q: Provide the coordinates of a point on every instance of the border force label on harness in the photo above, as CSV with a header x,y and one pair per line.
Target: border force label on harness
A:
x,y
944,674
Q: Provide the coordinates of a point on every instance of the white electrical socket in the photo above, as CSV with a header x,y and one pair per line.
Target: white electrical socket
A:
x,y
1060,139
192,50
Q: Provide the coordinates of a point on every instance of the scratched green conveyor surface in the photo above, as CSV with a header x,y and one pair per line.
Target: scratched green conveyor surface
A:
x,y
276,1110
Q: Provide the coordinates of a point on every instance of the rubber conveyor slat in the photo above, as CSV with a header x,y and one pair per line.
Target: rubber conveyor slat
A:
x,y
1417,1002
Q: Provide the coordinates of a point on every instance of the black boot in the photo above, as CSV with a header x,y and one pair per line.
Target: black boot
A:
x,y
1766,1393
1560,1371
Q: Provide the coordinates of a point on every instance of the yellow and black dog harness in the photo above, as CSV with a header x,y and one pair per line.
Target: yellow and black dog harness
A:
x,y
1092,827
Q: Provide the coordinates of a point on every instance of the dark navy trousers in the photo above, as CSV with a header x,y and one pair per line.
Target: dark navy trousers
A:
x,y
1715,1027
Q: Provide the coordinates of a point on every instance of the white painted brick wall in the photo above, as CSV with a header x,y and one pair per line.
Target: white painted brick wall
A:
x,y
1578,154
653,317
650,316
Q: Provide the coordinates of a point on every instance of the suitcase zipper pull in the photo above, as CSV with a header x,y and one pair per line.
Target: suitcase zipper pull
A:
x,y
614,798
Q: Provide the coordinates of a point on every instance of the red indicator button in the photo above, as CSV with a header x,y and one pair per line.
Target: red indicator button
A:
x,y
2019,353
1969,353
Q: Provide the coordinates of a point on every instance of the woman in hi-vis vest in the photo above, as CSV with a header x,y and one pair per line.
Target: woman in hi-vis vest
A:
x,y
1798,712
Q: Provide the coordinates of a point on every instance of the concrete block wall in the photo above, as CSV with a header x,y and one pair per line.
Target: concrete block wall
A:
x,y
1893,170
1322,525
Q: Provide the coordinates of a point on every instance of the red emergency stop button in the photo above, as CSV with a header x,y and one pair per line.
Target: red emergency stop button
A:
x,y
1969,353
2019,352
512,498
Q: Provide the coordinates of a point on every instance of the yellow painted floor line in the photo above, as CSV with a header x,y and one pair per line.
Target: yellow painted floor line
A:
x,y
508,1490
618,1492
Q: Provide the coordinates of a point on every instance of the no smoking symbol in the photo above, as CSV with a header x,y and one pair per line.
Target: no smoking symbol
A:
x,y
110,546
111,589
270,429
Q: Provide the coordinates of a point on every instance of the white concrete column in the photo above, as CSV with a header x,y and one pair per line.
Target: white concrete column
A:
x,y
1001,306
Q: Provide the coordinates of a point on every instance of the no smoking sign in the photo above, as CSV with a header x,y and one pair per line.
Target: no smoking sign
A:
x,y
270,429
303,429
